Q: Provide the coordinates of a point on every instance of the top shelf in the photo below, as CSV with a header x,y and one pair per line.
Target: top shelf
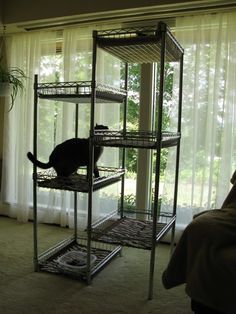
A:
x,y
140,44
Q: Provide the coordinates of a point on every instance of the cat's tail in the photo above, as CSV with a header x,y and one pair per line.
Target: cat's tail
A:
x,y
37,162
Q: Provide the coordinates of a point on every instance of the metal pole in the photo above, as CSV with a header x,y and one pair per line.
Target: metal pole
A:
x,y
158,160
177,152
91,157
75,193
123,150
35,219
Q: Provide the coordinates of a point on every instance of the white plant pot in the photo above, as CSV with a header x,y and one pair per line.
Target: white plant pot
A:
x,y
5,89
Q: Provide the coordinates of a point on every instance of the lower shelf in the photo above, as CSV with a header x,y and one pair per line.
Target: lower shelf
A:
x,y
101,254
132,232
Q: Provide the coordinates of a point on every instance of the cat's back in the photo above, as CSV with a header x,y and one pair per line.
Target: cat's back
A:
x,y
71,146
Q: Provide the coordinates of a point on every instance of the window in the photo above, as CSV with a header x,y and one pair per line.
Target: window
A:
x,y
208,149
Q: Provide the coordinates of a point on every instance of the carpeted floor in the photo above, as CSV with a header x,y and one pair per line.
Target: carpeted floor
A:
x,y
121,287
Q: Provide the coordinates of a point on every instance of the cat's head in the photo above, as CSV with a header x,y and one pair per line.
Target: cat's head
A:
x,y
100,127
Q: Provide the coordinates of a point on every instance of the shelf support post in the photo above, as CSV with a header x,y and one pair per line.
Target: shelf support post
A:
x,y
158,162
35,220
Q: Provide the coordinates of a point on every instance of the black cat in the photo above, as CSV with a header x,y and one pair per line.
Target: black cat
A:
x,y
68,156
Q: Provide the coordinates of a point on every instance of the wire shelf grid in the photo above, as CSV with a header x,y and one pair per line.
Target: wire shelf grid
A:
x,y
136,139
80,89
79,181
140,44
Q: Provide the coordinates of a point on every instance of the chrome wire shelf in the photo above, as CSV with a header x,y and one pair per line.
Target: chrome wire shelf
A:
x,y
140,44
103,252
79,182
132,232
135,139
80,92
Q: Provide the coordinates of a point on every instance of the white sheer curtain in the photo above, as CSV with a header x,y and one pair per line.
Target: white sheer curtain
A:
x,y
23,51
54,56
208,147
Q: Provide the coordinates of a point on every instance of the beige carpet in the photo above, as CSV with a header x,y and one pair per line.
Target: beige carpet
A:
x,y
121,287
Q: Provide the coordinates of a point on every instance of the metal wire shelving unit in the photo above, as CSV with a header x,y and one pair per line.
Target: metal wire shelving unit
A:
x,y
73,93
152,44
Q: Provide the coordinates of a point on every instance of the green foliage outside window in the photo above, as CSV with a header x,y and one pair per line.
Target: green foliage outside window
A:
x,y
133,110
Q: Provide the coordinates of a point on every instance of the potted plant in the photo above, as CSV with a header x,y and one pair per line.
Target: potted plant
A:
x,y
11,82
